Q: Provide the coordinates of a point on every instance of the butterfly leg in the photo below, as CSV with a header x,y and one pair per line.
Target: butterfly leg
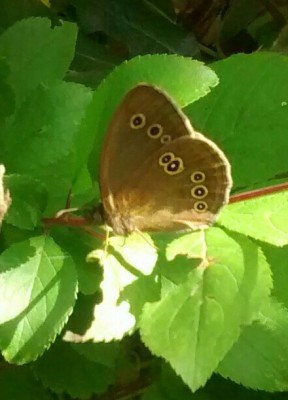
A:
x,y
106,240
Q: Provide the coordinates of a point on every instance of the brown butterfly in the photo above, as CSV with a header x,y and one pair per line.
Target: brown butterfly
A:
x,y
157,173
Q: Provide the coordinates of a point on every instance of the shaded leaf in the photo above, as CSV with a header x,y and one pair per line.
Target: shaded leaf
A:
x,y
138,25
20,384
20,9
29,196
259,359
64,369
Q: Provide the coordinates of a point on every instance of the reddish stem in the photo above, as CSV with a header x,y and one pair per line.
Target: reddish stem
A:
x,y
84,224
64,220
78,222
258,192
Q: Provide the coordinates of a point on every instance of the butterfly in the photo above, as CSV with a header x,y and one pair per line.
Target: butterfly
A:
x,y
156,172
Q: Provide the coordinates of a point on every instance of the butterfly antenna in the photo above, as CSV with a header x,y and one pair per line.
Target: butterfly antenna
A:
x,y
69,199
146,240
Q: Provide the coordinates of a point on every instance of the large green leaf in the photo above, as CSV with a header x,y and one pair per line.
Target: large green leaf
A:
x,y
7,100
196,323
40,139
247,115
38,287
21,384
91,366
184,79
264,218
36,54
259,359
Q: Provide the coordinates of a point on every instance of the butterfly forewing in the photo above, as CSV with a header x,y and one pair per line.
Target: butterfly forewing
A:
x,y
128,144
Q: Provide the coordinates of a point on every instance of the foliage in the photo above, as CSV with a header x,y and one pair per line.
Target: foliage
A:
x,y
147,316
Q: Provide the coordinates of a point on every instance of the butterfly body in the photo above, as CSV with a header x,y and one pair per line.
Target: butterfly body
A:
x,y
157,173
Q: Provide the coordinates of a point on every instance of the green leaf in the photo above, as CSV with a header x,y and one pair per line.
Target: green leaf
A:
x,y
183,254
238,17
92,62
136,254
259,359
154,392
191,245
264,31
11,235
246,115
132,257
7,100
36,54
280,45
278,259
157,35
20,384
137,251
29,199
44,144
162,7
84,189
195,324
184,79
264,218
64,369
143,290
78,244
38,286
170,386
217,388
100,353
20,9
